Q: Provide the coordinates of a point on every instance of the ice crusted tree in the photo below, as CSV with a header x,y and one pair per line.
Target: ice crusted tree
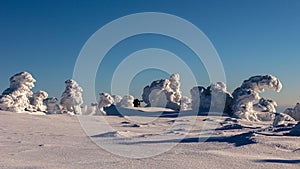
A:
x,y
127,101
186,103
52,106
213,98
163,93
105,100
244,106
117,99
71,98
16,97
294,112
37,101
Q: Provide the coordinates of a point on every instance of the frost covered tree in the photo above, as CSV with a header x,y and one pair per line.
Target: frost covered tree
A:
x,y
37,101
127,101
185,103
294,112
214,98
52,106
244,106
16,97
71,98
163,93
117,99
105,100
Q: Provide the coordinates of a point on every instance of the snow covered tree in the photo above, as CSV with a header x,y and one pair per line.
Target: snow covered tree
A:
x,y
71,98
163,93
105,100
37,101
246,95
16,97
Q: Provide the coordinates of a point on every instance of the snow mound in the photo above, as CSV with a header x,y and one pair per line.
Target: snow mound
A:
x,y
16,97
71,98
202,98
246,96
163,93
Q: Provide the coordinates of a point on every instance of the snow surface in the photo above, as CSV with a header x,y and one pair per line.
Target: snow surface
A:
x,y
58,141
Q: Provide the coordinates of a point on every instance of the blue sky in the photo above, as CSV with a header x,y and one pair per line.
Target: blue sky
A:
x,y
251,37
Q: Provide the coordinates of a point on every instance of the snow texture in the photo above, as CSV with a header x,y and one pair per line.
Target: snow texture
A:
x,y
105,100
127,101
163,93
246,96
16,97
202,98
71,98
52,106
294,112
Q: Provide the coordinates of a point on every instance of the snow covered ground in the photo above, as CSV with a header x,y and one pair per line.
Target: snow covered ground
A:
x,y
59,141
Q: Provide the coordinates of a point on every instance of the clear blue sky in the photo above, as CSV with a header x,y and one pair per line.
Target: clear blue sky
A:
x,y
251,36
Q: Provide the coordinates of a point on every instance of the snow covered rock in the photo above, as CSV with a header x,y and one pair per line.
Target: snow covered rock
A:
x,y
16,97
52,106
294,112
105,100
71,98
163,93
246,96
202,98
